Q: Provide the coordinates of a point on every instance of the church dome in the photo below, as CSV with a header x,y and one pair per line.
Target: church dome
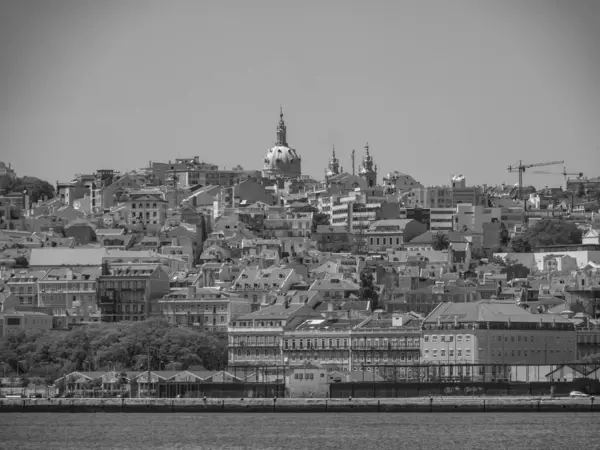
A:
x,y
281,160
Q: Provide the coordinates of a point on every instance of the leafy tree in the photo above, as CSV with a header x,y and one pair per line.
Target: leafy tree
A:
x,y
504,235
367,288
21,261
319,219
516,270
36,188
520,245
440,241
125,345
553,232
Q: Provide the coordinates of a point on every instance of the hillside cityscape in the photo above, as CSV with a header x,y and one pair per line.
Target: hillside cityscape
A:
x,y
182,272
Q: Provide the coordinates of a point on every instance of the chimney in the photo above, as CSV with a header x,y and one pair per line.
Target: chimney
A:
x,y
508,322
191,293
329,307
455,321
174,242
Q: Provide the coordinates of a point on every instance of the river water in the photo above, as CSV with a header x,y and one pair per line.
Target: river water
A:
x,y
348,431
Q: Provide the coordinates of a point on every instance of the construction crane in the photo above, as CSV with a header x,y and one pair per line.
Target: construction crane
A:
x,y
523,167
564,173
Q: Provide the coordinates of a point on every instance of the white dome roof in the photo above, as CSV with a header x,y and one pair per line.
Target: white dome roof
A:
x,y
282,160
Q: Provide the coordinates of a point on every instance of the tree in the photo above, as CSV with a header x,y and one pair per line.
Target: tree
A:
x,y
36,188
367,288
125,345
319,219
440,241
553,232
516,270
520,245
504,235
21,261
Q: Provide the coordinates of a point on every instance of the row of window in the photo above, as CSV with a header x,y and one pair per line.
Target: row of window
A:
x,y
442,353
447,338
130,308
128,284
375,241
141,205
529,352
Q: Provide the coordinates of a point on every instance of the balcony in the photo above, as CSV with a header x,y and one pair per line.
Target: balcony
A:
x,y
249,346
278,329
414,346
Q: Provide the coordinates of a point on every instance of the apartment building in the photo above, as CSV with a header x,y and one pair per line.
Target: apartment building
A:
x,y
282,224
255,338
255,284
129,291
24,285
320,341
67,289
473,218
146,207
208,308
494,333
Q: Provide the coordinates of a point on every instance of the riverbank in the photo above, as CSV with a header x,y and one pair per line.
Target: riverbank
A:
x,y
422,404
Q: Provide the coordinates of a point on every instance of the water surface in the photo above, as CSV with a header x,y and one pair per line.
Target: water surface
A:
x,y
314,431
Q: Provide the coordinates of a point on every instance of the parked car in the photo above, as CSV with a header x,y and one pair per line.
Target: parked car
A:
x,y
578,394
35,395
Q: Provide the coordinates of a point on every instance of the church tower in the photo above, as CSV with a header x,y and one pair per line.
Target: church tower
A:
x,y
334,165
368,169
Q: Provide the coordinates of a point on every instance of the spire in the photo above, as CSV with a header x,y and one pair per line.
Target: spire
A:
x,y
334,163
367,148
281,130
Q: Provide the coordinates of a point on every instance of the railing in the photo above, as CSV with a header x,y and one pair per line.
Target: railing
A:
x,y
414,346
240,329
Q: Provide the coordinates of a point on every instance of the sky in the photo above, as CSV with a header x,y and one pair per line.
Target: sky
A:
x,y
435,87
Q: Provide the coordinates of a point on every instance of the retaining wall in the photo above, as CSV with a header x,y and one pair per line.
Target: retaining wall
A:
x,y
423,404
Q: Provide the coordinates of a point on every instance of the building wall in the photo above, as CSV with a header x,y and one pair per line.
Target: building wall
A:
x,y
512,346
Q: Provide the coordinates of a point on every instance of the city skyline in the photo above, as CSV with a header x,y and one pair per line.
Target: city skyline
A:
x,y
475,86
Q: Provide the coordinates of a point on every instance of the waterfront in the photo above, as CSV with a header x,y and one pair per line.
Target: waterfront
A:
x,y
297,431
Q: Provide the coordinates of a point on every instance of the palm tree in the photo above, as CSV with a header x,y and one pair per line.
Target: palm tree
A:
x,y
441,241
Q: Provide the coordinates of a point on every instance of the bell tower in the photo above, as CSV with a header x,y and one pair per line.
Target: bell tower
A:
x,y
368,168
334,164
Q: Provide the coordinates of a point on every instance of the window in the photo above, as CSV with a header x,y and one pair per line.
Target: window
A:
x,y
468,352
426,339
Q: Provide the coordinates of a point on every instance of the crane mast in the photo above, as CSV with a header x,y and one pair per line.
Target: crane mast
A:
x,y
521,168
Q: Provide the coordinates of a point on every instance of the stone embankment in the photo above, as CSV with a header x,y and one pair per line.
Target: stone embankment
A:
x,y
420,404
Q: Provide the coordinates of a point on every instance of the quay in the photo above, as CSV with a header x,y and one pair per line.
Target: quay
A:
x,y
297,405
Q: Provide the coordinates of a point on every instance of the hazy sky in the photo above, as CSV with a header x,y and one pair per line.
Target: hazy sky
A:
x,y
435,87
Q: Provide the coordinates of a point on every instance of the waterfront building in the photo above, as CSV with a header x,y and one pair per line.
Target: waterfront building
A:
x,y
494,333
